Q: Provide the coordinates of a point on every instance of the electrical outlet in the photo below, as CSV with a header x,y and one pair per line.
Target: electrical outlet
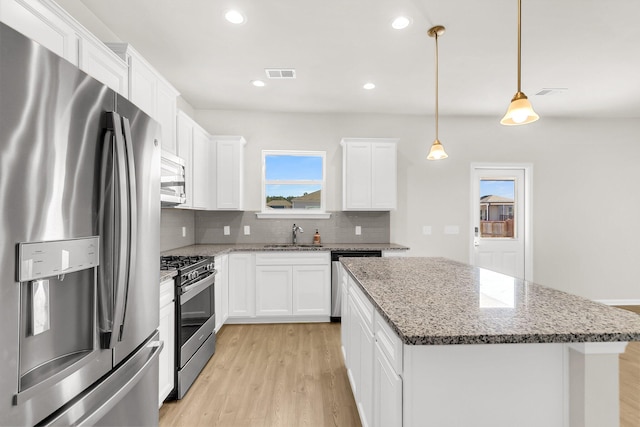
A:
x,y
247,230
184,231
426,229
358,230
227,230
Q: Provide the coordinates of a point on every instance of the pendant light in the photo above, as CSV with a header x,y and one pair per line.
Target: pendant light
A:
x,y
520,111
437,150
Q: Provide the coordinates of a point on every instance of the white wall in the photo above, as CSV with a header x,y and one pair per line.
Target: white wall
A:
x,y
90,21
586,178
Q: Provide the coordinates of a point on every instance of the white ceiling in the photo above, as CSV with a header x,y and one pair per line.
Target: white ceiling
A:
x,y
591,47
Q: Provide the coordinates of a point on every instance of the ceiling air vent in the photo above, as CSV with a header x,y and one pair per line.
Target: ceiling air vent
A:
x,y
548,91
280,73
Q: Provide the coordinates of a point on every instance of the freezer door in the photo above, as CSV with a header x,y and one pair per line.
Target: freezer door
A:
x,y
140,318
128,396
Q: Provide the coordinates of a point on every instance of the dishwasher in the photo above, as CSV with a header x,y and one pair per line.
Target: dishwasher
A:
x,y
336,283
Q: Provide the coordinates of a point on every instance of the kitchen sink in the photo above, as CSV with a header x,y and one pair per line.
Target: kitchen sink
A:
x,y
290,245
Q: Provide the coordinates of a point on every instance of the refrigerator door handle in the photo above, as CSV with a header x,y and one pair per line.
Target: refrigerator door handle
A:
x,y
132,213
118,250
106,224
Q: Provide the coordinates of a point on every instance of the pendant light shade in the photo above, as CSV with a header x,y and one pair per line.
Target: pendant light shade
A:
x,y
437,150
520,111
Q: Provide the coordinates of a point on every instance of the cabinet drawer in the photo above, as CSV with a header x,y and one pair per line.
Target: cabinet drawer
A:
x,y
293,258
388,342
167,292
362,303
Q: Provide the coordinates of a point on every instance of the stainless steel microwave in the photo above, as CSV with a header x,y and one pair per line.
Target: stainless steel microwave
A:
x,y
172,180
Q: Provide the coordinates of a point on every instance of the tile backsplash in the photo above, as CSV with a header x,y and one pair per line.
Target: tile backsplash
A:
x,y
207,227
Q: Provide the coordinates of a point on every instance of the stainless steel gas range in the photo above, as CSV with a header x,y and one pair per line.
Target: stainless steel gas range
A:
x,y
195,317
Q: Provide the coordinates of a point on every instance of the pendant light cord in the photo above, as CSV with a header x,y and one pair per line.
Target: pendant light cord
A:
x,y
519,41
436,36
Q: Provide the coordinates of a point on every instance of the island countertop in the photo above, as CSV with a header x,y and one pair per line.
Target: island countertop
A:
x,y
436,301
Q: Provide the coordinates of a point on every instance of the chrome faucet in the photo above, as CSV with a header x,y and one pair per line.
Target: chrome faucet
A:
x,y
295,230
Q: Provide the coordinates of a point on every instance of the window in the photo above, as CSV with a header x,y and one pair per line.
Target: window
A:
x,y
293,182
497,199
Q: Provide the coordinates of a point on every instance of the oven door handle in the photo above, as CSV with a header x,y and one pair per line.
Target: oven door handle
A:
x,y
191,291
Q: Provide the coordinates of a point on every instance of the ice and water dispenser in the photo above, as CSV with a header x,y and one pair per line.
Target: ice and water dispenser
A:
x,y
57,308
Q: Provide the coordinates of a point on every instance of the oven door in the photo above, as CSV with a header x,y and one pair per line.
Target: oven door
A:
x,y
196,317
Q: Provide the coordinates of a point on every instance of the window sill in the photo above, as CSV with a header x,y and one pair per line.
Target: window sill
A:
x,y
293,215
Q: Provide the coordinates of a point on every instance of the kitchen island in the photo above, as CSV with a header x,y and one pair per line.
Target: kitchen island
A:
x,y
434,342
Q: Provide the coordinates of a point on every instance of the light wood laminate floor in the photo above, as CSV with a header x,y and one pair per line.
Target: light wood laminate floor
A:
x,y
293,375
270,375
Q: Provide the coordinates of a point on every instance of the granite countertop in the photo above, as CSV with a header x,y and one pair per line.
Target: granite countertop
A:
x,y
167,274
436,301
213,250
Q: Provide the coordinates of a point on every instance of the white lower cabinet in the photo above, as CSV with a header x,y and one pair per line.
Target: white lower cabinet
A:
x,y
387,392
242,285
311,290
293,284
279,286
372,356
274,285
221,290
167,335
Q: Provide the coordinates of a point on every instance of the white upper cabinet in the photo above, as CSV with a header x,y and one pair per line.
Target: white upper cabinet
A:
x,y
369,174
229,172
47,23
202,165
151,93
104,65
44,22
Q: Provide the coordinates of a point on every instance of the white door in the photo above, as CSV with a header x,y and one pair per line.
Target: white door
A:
x,y
501,219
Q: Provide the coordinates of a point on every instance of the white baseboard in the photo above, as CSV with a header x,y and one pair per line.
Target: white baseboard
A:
x,y
619,301
277,319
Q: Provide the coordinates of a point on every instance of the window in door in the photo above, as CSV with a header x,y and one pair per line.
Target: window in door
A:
x,y
293,181
497,208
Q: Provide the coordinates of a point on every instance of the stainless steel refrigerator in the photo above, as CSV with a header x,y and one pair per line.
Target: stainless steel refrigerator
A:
x,y
79,246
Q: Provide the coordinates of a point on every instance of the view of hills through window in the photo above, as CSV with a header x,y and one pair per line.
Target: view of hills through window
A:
x,y
293,181
497,207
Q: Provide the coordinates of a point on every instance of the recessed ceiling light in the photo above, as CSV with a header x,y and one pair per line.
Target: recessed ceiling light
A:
x,y
368,86
401,22
234,17
257,83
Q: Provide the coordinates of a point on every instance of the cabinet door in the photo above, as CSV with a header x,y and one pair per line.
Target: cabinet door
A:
x,y
387,398
40,23
242,297
383,176
229,173
202,167
166,116
273,290
217,297
365,393
222,290
354,349
344,325
185,151
311,290
167,355
104,65
223,272
357,176
142,86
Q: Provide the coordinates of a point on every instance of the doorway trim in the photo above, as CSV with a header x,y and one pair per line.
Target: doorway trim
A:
x,y
528,209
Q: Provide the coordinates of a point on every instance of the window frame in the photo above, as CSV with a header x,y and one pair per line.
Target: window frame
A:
x,y
294,213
